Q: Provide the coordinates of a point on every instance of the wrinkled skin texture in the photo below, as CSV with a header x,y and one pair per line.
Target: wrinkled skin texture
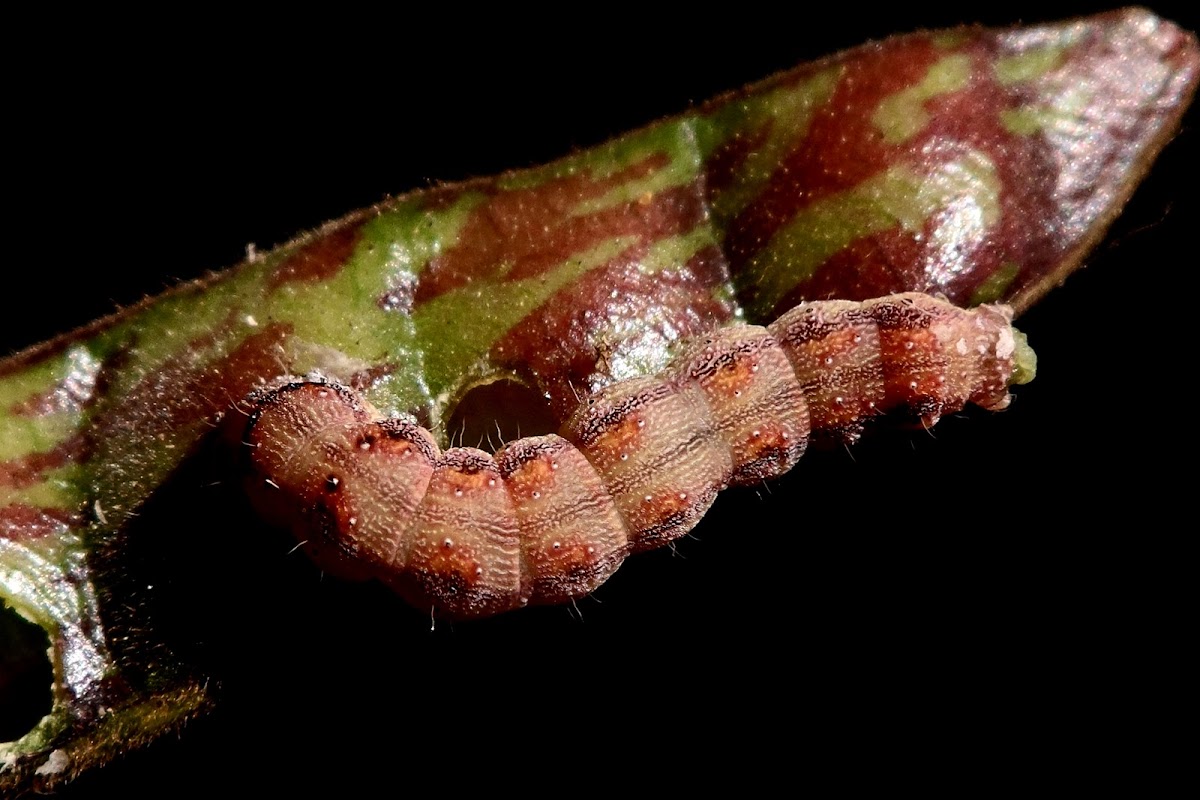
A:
x,y
728,578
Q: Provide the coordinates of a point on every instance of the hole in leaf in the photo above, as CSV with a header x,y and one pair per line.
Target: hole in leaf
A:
x,y
26,675
490,414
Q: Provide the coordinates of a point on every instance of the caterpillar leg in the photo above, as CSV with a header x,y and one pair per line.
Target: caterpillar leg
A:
x,y
550,518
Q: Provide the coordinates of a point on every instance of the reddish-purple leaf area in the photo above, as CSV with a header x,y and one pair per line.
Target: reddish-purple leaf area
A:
x,y
986,577
559,345
995,103
193,386
19,522
528,233
533,230
319,260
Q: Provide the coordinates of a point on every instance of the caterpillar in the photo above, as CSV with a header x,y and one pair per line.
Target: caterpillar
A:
x,y
548,519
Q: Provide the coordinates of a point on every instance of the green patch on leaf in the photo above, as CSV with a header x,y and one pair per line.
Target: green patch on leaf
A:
x,y
896,197
783,116
461,325
674,140
902,115
993,287
1029,65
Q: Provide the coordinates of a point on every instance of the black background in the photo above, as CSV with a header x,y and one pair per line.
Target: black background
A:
x,y
1009,572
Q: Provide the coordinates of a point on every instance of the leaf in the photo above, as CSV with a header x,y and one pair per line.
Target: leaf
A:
x,y
845,571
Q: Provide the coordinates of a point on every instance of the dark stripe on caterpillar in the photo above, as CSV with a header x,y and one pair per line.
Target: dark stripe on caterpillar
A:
x,y
550,518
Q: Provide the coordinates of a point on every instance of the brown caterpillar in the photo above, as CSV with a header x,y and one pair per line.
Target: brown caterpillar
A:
x,y
549,518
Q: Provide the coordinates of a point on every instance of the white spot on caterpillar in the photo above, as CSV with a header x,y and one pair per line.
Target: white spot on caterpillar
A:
x,y
1005,343
55,763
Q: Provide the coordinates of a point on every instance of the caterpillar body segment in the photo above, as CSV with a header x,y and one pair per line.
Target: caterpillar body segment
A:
x,y
300,434
550,518
833,348
464,546
654,443
934,362
573,537
395,461
757,405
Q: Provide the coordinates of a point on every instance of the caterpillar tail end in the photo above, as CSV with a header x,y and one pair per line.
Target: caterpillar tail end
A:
x,y
1024,360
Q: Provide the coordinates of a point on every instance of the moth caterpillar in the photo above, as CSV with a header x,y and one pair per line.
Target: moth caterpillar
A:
x,y
549,518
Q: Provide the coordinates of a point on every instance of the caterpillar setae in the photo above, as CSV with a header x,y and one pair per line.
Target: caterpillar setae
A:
x,y
548,519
